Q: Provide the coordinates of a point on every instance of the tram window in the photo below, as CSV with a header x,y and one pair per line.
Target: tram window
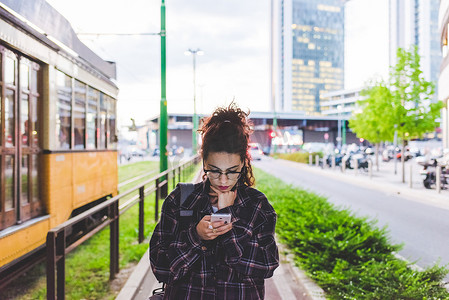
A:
x,y
34,79
102,130
64,105
9,182
34,125
111,124
102,122
24,178
91,117
79,114
19,120
34,178
24,130
9,119
24,75
10,70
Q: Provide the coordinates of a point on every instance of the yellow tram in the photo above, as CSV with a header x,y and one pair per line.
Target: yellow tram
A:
x,y
58,126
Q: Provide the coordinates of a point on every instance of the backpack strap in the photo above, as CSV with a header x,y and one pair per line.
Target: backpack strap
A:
x,y
186,190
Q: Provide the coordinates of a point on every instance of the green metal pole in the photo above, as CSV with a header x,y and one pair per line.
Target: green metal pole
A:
x,y
344,132
163,122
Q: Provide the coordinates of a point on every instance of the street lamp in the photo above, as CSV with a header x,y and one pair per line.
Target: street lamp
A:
x,y
194,53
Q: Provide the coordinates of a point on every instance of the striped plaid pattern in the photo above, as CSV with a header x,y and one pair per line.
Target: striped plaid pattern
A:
x,y
233,266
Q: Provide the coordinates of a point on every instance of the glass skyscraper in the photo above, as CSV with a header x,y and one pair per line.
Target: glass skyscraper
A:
x,y
307,53
415,22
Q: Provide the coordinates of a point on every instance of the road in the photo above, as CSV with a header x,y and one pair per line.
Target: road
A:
x,y
419,226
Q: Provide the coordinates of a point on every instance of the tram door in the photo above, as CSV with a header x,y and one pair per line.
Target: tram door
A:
x,y
19,141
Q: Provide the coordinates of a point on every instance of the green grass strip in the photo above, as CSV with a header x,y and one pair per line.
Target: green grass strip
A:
x,y
348,256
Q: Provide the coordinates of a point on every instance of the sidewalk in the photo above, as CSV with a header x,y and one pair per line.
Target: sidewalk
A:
x,y
287,283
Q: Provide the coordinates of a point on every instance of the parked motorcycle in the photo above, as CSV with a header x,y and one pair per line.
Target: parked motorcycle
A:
x,y
328,159
389,154
428,173
362,161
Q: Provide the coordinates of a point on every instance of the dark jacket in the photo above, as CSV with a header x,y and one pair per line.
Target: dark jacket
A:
x,y
233,266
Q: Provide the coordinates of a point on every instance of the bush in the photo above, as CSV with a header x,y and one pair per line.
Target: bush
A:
x,y
348,256
301,157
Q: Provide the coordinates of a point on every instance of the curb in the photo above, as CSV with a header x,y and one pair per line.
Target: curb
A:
x,y
132,285
312,290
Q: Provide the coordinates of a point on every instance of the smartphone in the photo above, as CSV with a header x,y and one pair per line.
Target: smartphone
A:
x,y
226,218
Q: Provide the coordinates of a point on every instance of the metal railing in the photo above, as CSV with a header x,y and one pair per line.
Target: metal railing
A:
x,y
57,248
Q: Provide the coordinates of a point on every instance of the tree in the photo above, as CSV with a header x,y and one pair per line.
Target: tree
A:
x,y
374,121
403,105
412,110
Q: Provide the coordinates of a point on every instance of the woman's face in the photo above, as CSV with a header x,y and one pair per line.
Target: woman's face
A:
x,y
221,169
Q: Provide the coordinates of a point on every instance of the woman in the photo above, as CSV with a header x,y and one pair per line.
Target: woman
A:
x,y
200,259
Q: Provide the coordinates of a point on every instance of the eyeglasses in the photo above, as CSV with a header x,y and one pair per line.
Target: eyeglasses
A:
x,y
216,174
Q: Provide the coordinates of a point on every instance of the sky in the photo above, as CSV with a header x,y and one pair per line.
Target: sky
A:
x,y
235,38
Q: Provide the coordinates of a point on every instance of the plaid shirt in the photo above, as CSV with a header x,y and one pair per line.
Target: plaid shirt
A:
x,y
232,266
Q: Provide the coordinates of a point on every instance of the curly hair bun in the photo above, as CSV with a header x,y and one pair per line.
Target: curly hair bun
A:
x,y
228,130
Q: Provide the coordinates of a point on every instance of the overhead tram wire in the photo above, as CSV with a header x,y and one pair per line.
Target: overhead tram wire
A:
x,y
118,34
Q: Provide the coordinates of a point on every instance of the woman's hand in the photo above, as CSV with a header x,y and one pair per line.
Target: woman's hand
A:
x,y
209,231
225,199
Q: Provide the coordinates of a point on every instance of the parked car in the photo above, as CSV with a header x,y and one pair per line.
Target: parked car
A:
x,y
255,151
137,152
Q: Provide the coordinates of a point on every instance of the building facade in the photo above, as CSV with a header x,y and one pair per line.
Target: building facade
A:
x,y
415,22
292,131
341,103
307,53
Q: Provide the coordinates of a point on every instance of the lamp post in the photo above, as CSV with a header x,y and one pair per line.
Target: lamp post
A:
x,y
194,53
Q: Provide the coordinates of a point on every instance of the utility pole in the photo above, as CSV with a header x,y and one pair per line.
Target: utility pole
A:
x,y
194,52
163,122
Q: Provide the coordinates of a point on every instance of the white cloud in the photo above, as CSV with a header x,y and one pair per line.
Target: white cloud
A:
x,y
366,43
